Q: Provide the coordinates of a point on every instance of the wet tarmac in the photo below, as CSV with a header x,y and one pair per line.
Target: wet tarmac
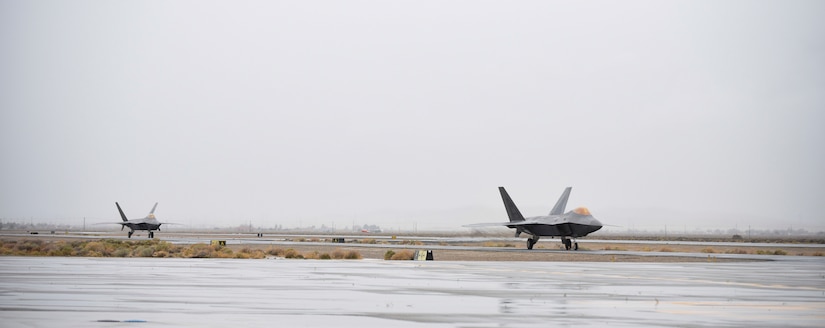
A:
x,y
151,292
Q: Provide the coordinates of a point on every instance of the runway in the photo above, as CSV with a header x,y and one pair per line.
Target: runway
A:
x,y
158,292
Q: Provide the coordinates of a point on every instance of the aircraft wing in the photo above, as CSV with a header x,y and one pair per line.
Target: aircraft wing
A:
x,y
502,224
522,223
480,225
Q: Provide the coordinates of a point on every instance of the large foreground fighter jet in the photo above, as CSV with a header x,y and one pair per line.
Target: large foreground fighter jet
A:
x,y
148,223
571,225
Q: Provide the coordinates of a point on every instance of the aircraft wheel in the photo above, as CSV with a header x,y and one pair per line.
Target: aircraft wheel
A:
x,y
130,235
575,246
566,244
151,234
530,243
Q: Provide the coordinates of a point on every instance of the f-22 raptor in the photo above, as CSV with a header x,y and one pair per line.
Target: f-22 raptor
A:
x,y
571,225
149,223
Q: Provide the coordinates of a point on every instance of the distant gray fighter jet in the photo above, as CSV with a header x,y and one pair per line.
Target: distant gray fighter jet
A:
x,y
574,224
148,223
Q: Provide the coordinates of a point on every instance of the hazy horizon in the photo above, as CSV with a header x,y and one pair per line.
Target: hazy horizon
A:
x,y
678,113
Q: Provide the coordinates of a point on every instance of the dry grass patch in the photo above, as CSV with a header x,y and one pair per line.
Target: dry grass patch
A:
x,y
614,248
275,251
768,252
400,256
311,255
248,253
116,248
497,244
292,254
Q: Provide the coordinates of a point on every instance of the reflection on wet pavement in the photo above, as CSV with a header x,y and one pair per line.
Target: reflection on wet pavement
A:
x,y
103,292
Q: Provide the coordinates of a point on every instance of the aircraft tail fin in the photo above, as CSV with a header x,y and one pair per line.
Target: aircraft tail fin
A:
x,y
561,203
153,208
512,211
122,216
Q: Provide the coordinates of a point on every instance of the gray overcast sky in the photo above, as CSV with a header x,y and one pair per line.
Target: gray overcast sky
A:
x,y
686,113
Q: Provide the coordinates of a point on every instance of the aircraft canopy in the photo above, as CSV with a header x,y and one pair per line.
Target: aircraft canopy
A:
x,y
582,211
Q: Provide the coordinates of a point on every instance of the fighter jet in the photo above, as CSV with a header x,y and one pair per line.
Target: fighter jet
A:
x,y
571,225
148,223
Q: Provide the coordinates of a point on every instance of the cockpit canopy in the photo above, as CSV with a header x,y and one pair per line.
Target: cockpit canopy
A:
x,y
582,211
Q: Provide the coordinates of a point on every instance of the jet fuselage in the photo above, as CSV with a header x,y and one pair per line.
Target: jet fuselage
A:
x,y
567,225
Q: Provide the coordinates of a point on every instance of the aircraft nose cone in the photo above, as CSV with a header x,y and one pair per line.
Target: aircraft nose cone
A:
x,y
595,224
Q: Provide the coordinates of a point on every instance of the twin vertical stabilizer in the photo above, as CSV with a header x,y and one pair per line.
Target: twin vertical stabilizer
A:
x,y
122,216
512,211
515,215
562,202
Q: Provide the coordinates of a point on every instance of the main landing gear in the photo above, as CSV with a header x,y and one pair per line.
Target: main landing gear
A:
x,y
532,241
151,234
568,244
